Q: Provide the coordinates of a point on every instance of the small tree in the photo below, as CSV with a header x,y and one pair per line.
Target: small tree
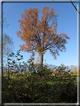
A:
x,y
12,63
61,69
31,65
7,49
4,25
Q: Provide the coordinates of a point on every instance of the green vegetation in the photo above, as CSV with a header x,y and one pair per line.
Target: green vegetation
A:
x,y
40,87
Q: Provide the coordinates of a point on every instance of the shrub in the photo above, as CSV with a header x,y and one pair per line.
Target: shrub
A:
x,y
41,87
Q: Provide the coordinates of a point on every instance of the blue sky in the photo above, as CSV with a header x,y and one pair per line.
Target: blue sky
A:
x,y
67,23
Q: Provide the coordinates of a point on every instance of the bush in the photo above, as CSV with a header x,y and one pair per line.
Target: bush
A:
x,y
40,86
45,72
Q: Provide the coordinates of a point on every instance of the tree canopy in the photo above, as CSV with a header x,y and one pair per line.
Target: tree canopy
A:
x,y
41,35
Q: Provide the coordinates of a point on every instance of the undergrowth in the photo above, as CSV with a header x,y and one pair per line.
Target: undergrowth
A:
x,y
40,87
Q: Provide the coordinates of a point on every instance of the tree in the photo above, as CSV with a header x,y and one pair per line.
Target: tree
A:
x,y
4,24
41,35
13,62
31,65
61,69
7,43
7,46
16,59
7,49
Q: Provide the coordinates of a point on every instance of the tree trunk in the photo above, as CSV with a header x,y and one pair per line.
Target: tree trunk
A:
x,y
8,75
41,62
8,70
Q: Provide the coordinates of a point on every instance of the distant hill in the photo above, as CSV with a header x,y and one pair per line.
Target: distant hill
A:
x,y
71,67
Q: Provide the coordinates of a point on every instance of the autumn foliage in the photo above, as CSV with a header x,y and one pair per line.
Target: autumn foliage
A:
x,y
75,71
41,35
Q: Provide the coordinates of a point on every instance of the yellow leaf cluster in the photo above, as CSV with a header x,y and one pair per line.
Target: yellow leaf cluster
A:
x,y
75,71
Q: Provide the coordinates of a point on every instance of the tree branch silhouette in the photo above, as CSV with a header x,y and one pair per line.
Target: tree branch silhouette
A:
x,y
75,7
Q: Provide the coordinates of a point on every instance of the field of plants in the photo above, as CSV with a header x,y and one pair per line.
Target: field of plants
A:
x,y
44,86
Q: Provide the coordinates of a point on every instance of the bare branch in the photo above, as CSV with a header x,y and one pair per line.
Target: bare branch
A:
x,y
75,7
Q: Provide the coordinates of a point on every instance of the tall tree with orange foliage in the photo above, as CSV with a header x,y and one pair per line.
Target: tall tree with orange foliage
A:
x,y
41,35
